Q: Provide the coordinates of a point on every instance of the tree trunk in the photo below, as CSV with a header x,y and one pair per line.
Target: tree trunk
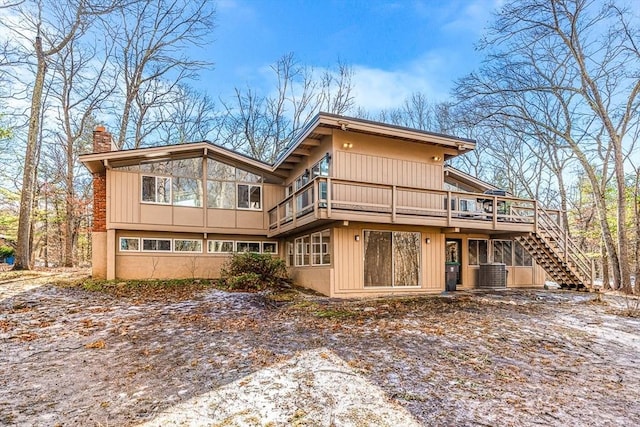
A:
x,y
23,251
623,239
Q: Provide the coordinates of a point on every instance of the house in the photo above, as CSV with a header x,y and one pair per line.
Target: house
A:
x,y
355,207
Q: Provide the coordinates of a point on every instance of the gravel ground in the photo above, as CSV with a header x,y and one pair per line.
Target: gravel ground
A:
x,y
503,358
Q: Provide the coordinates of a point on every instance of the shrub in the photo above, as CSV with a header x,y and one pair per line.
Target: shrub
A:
x,y
251,271
6,251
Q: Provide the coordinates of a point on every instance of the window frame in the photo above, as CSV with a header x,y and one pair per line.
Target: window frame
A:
x,y
129,238
269,242
155,193
249,185
323,244
393,264
248,242
211,243
142,249
476,241
187,240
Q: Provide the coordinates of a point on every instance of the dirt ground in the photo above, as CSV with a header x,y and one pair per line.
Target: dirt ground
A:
x,y
74,357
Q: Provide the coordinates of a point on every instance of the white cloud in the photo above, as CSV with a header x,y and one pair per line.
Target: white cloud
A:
x,y
377,89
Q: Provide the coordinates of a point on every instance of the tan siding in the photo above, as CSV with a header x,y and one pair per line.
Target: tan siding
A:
x,y
124,197
156,214
188,216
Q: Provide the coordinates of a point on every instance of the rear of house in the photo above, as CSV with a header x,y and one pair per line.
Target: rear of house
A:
x,y
356,208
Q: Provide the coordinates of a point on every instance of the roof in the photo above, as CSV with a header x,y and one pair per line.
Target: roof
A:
x,y
467,179
309,137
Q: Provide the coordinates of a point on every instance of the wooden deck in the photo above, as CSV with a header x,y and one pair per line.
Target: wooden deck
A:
x,y
336,199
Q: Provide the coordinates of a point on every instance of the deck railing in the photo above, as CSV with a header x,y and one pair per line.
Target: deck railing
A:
x,y
394,201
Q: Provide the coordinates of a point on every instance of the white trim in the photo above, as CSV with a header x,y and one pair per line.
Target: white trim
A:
x,y
249,194
156,250
268,242
129,250
188,240
211,242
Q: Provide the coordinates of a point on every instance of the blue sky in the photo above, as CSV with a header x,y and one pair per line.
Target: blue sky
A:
x,y
395,47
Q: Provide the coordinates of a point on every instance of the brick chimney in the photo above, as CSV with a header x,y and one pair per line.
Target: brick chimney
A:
x,y
102,143
102,140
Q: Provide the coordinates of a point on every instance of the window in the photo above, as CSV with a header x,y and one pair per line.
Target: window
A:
x,y
522,258
249,196
156,245
502,251
302,251
129,244
220,246
248,247
269,247
290,253
232,188
182,245
156,189
320,248
477,252
187,192
321,168
391,258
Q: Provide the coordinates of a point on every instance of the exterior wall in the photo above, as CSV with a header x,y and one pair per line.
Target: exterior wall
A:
x,y
387,161
126,211
349,264
171,265
517,277
99,255
318,278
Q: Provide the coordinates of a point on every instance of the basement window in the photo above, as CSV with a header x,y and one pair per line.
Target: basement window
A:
x,y
184,245
129,244
156,245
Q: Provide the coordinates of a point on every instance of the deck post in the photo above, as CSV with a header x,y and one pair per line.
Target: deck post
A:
x,y
535,216
495,212
394,201
328,197
316,198
294,205
448,208
278,217
566,245
593,272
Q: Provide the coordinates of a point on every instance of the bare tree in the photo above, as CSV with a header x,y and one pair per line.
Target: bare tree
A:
x,y
569,68
51,26
152,37
262,126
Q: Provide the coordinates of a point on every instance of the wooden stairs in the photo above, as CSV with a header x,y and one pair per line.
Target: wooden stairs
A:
x,y
554,251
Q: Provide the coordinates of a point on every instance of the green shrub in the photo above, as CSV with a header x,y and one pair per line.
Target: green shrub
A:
x,y
253,272
6,251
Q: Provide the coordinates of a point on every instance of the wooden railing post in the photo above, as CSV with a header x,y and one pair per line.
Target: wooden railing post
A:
x,y
449,208
278,217
316,197
566,245
394,202
495,212
328,197
593,272
535,216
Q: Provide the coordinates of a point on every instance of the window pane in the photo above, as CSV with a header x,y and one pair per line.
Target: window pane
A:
x,y
243,196
307,250
248,246
189,168
406,259
482,251
299,251
269,247
290,253
149,245
220,171
508,258
316,249
473,252
221,195
187,245
148,188
187,192
377,258
163,190
157,168
254,197
326,247
220,246
244,176
129,244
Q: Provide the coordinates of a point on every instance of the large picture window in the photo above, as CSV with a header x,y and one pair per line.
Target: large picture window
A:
x,y
232,188
477,252
391,258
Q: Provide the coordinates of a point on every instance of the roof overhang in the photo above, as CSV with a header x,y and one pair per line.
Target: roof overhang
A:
x,y
325,123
